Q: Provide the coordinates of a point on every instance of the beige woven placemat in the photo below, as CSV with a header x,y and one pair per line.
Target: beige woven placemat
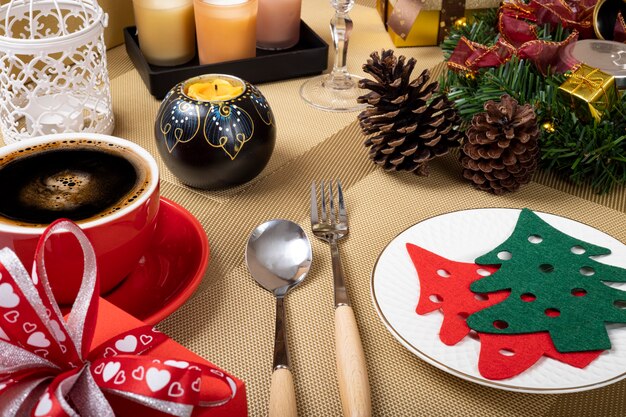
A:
x,y
231,321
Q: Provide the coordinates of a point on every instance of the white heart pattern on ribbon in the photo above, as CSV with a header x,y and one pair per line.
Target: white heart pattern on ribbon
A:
x,y
120,378
176,364
176,390
138,373
145,339
157,379
108,352
99,369
42,352
11,316
44,406
110,370
127,344
29,327
38,339
57,332
196,385
8,298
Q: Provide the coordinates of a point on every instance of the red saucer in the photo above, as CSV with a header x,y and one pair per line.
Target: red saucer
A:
x,y
171,269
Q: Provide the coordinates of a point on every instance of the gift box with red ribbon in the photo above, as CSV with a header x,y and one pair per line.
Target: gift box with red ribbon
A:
x,y
98,360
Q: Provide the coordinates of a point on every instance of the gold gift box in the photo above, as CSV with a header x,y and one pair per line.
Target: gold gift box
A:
x,y
591,92
425,29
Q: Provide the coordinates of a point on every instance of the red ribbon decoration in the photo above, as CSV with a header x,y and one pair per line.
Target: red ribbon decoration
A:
x,y
39,348
548,56
471,56
518,23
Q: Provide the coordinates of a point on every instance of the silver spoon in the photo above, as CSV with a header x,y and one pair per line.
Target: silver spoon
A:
x,y
278,255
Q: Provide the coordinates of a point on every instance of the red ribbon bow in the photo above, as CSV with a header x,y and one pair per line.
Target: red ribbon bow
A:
x,y
471,56
518,24
547,56
518,21
46,368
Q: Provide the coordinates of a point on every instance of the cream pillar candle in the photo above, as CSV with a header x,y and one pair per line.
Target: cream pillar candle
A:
x,y
226,29
166,30
278,24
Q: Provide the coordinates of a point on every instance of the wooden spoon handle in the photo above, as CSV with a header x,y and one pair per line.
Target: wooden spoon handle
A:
x,y
282,394
354,387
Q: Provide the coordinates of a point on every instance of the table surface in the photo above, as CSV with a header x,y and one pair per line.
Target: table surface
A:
x,y
230,320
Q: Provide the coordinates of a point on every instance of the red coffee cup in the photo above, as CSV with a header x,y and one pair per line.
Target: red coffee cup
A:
x,y
81,174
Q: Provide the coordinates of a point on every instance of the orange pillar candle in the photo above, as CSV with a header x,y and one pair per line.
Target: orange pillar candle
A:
x,y
166,30
226,29
278,24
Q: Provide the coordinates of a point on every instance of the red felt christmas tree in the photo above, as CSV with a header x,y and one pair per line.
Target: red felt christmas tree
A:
x,y
445,286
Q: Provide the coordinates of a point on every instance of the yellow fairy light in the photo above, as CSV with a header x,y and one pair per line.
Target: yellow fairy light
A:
x,y
460,22
470,76
548,127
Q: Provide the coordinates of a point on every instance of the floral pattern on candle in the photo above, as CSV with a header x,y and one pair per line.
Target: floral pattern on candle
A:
x,y
228,127
261,106
224,124
179,122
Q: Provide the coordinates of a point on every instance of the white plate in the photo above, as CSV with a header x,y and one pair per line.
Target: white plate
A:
x,y
463,236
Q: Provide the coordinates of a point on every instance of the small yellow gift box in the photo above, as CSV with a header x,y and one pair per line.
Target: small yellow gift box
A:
x,y
591,92
426,22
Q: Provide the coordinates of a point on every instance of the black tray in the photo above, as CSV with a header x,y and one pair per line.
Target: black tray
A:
x,y
309,56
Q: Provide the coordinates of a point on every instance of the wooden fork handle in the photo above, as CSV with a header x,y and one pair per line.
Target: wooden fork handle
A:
x,y
354,387
282,394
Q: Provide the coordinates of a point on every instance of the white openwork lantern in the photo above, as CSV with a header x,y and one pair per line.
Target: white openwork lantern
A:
x,y
53,69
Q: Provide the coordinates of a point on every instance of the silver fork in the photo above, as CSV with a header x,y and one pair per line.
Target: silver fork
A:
x,y
351,367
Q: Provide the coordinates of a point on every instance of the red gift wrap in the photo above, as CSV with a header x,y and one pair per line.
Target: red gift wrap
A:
x,y
98,360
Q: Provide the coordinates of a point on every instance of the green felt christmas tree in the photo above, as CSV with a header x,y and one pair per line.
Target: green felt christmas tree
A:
x,y
555,286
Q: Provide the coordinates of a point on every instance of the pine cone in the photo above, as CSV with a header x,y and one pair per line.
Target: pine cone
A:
x,y
501,151
408,126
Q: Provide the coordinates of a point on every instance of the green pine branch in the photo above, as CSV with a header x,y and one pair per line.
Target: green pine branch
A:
x,y
593,153
583,152
481,28
518,78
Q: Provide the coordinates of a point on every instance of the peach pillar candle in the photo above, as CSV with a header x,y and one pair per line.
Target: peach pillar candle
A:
x,y
278,24
166,29
226,29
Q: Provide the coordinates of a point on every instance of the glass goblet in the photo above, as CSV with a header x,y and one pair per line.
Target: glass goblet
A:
x,y
337,91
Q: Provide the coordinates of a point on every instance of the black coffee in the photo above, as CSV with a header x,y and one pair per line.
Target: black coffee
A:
x,y
70,182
